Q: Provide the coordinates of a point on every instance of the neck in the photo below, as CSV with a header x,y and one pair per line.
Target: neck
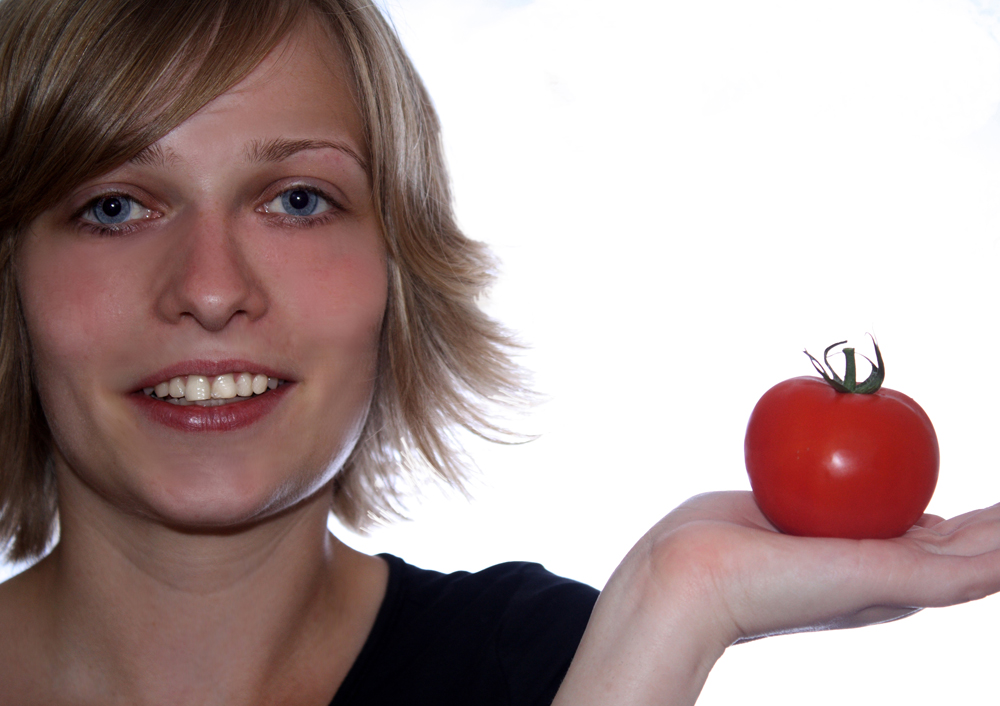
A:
x,y
160,615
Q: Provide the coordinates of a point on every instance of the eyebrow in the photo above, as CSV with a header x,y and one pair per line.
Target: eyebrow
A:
x,y
153,156
281,148
276,150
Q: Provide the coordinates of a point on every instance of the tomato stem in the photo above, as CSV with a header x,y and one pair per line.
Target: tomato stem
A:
x,y
849,382
850,370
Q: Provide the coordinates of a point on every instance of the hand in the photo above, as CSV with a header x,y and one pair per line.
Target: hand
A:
x,y
715,572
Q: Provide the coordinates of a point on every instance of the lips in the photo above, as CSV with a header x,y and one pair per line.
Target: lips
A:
x,y
211,396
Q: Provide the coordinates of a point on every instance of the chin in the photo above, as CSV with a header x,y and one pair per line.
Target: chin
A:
x,y
217,498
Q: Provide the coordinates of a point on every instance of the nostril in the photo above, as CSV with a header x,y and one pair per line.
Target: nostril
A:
x,y
212,276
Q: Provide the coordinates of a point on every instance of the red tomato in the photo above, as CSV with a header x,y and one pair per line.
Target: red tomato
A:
x,y
824,463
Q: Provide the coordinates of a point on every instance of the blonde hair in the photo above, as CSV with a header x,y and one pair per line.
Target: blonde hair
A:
x,y
87,84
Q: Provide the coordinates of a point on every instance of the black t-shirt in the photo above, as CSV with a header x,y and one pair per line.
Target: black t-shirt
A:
x,y
504,635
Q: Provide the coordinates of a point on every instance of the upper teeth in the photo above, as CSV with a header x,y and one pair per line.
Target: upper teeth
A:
x,y
196,388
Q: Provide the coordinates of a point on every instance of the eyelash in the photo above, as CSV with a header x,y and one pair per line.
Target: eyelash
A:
x,y
102,229
285,219
106,230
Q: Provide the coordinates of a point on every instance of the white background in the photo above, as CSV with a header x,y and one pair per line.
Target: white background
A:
x,y
684,195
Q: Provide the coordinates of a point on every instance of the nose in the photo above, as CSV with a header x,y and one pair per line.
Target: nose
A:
x,y
209,277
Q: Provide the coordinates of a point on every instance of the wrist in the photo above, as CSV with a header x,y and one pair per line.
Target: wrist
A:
x,y
654,631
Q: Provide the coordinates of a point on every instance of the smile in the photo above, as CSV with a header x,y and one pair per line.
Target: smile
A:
x,y
210,391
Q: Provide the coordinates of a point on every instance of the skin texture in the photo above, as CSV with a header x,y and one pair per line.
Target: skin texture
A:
x,y
184,535
210,276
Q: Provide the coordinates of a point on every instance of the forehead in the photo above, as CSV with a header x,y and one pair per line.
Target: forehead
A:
x,y
303,90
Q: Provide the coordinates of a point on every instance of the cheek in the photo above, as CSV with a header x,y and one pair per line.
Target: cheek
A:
x,y
75,307
334,301
337,299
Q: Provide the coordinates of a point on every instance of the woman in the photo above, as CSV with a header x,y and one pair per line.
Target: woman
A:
x,y
235,299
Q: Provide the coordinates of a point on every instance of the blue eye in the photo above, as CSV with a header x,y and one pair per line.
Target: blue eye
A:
x,y
112,210
115,210
299,202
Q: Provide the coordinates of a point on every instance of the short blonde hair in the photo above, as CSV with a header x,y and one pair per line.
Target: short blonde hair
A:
x,y
87,84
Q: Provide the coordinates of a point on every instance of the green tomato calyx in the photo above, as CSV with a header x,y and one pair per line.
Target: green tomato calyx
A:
x,y
849,382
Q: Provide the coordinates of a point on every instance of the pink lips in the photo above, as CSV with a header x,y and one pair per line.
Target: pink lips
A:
x,y
195,418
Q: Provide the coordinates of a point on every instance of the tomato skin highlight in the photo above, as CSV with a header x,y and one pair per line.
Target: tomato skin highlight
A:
x,y
824,463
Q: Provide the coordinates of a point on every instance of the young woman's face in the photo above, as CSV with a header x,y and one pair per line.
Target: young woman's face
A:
x,y
243,244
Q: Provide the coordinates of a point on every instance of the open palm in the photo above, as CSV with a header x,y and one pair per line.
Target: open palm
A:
x,y
715,572
766,582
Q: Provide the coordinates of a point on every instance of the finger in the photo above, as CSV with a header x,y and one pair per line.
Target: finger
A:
x,y
970,534
927,520
972,539
990,513
933,579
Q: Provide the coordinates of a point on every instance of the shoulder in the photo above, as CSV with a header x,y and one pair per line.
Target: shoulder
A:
x,y
510,586
513,603
503,635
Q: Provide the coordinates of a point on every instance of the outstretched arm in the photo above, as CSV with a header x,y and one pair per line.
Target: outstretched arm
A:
x,y
715,572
